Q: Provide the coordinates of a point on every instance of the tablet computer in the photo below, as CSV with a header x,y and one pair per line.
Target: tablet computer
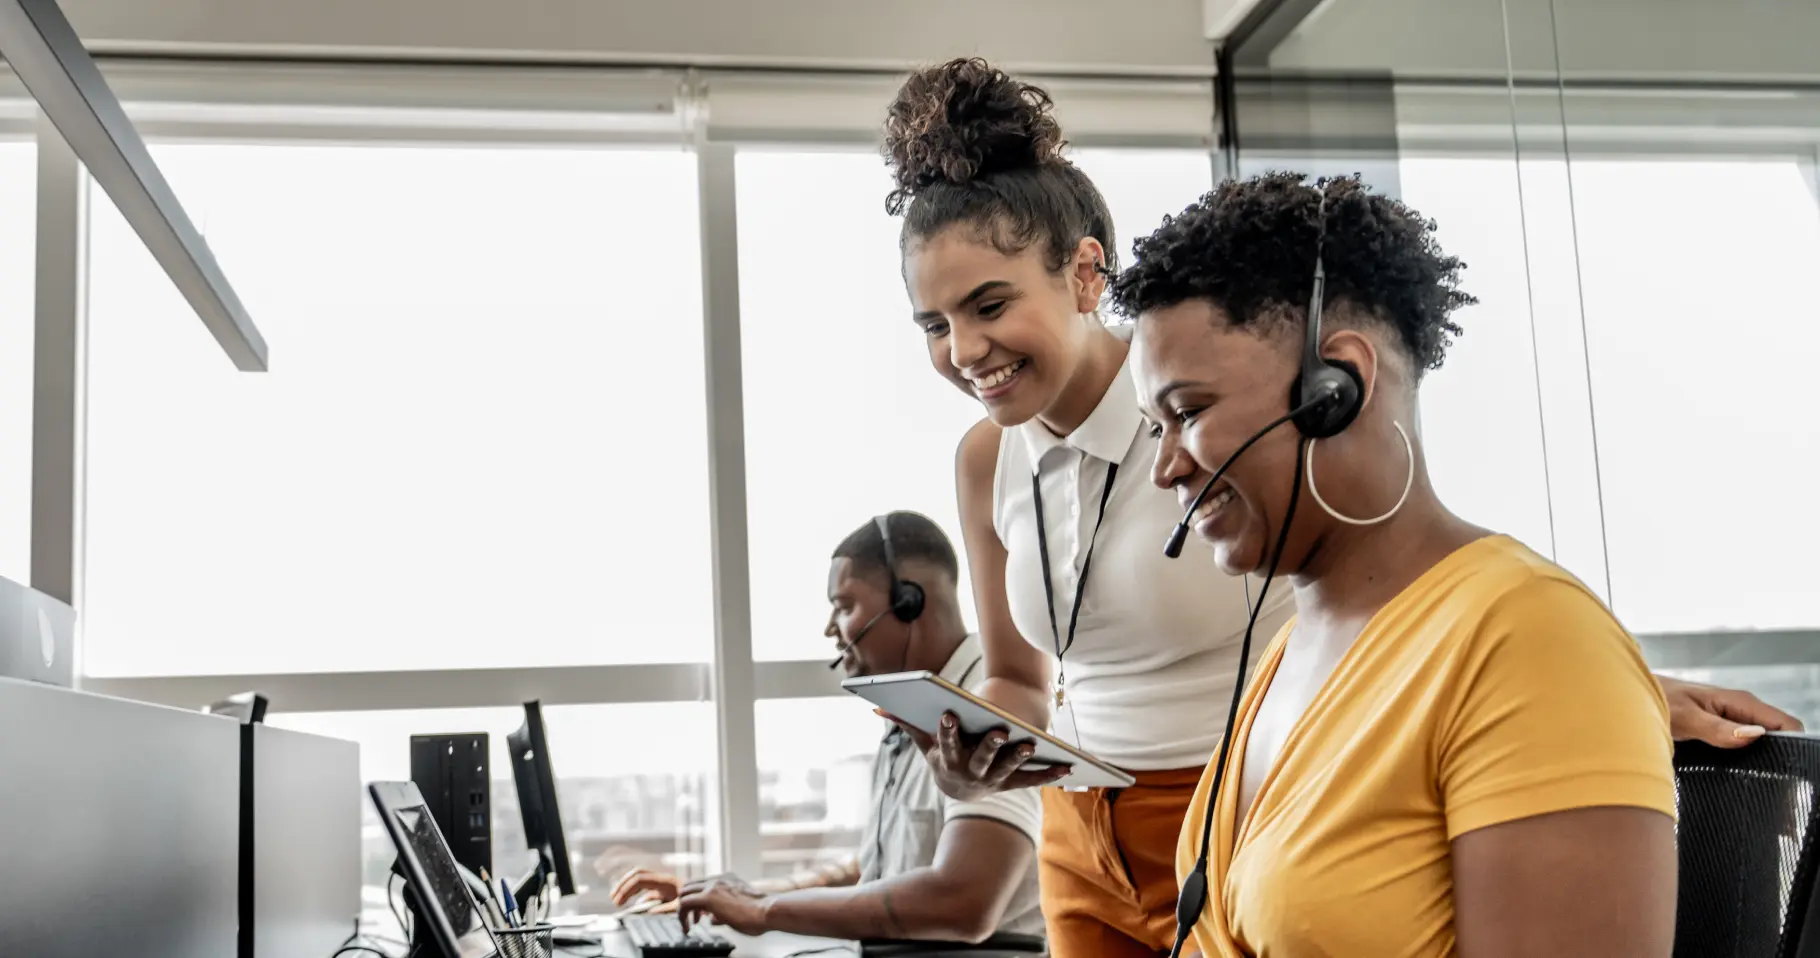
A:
x,y
920,698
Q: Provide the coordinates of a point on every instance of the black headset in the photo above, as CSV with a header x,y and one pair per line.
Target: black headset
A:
x,y
906,597
1324,399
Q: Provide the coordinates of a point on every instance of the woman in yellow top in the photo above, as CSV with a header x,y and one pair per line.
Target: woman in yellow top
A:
x,y
1454,749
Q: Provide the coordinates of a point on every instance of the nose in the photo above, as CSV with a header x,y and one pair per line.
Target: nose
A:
x,y
832,630
966,346
1172,463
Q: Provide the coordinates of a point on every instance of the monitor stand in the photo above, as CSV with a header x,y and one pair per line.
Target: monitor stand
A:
x,y
423,941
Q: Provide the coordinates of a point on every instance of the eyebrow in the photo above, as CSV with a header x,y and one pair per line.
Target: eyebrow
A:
x,y
973,296
1173,386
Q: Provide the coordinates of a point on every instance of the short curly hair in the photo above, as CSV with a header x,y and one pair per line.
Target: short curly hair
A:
x,y
1249,248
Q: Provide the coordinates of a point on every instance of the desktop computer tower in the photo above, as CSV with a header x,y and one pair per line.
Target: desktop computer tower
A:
x,y
452,772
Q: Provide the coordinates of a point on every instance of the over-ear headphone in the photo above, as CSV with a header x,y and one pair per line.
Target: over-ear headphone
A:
x,y
906,597
1333,392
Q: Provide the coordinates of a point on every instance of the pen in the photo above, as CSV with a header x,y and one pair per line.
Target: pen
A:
x,y
512,916
495,910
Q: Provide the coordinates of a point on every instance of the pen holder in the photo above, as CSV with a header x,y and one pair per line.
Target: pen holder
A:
x,y
532,941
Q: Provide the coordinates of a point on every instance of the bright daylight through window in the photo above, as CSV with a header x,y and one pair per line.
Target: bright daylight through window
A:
x,y
482,441
18,235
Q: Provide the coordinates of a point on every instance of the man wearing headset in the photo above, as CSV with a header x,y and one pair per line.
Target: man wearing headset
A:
x,y
929,867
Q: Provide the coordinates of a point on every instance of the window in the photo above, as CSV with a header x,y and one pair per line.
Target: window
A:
x,y
1480,420
1143,186
482,442
18,239
1706,446
844,418
815,779
630,779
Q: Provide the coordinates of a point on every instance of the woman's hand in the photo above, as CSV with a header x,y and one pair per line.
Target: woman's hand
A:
x,y
969,767
1727,718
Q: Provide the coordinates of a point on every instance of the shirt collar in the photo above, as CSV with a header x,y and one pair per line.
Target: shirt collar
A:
x,y
963,668
1105,434
963,665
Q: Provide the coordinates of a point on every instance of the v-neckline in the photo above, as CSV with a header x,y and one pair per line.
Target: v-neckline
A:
x,y
1241,828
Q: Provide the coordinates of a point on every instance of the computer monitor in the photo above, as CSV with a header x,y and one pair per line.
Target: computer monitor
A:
x,y
441,899
537,804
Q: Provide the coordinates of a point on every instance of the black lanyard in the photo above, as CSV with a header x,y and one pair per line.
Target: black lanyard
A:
x,y
1042,549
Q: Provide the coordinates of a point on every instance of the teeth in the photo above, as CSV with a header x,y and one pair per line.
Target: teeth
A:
x,y
1000,376
1214,503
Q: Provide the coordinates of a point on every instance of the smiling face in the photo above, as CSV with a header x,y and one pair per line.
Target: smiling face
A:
x,y
1003,329
1206,387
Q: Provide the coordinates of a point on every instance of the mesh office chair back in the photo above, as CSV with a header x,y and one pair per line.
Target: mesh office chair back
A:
x,y
1749,824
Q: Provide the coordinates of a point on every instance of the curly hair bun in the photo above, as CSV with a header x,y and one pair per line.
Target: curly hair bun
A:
x,y
964,120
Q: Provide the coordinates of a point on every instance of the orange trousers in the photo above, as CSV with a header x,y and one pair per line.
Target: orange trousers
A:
x,y
1107,866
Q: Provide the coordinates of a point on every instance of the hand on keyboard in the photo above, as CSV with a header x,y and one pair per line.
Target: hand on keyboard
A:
x,y
663,936
729,902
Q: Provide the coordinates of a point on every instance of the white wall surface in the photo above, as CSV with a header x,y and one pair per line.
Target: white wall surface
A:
x,y
1087,36
1682,39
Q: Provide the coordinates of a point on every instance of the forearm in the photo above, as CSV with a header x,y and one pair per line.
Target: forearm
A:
x,y
1023,700
829,875
918,904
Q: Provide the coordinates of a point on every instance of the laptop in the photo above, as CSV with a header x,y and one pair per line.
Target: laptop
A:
x,y
37,636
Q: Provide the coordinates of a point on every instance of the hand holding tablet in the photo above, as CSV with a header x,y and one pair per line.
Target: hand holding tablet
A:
x,y
984,749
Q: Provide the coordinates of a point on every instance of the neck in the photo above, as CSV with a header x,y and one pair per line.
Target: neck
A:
x,y
938,634
1100,363
1353,571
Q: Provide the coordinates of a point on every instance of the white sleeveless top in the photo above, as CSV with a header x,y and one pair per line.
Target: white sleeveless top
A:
x,y
1149,677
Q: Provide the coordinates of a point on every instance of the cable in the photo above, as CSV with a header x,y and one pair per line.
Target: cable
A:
x,y
404,927
1194,888
350,949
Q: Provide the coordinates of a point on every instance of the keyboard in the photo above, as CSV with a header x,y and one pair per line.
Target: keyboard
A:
x,y
662,936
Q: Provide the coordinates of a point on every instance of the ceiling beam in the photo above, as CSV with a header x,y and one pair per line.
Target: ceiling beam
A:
x,y
49,59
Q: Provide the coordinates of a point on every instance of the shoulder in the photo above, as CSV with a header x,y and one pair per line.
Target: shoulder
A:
x,y
1526,597
1020,808
977,457
976,462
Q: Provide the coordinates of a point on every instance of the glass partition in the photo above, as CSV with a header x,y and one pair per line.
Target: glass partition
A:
x,y
1633,187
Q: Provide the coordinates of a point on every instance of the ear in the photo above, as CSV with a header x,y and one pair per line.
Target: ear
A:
x,y
1352,346
1086,276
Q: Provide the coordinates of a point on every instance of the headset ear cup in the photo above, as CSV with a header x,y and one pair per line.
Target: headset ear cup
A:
x,y
1339,378
907,601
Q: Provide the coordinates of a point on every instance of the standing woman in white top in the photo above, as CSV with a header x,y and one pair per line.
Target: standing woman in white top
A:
x,y
1007,248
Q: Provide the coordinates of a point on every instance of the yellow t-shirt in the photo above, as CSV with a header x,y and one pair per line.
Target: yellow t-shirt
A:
x,y
1494,688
